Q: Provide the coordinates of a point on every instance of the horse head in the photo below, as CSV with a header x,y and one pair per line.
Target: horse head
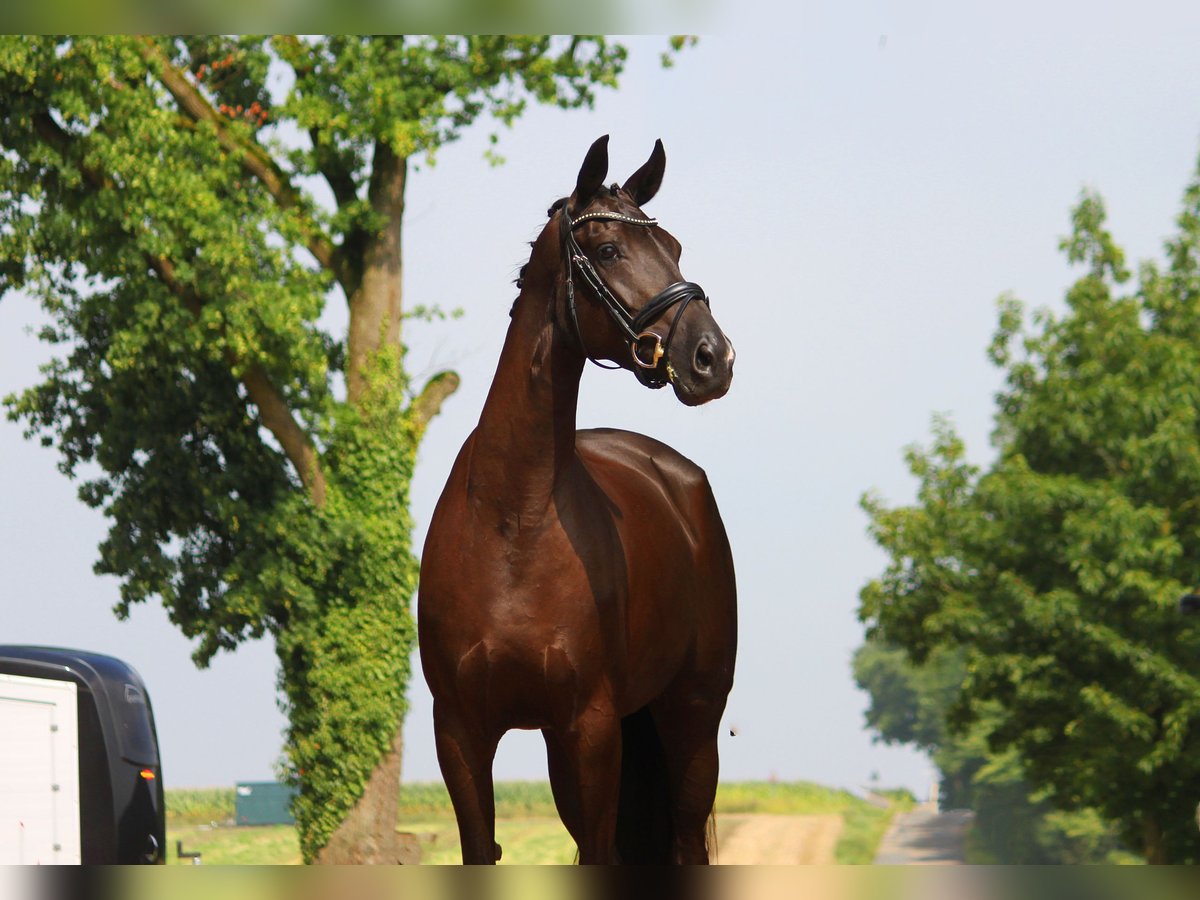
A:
x,y
625,297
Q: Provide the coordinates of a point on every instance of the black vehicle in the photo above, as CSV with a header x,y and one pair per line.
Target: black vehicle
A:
x,y
122,816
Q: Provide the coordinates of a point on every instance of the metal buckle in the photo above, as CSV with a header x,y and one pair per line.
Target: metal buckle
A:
x,y
658,350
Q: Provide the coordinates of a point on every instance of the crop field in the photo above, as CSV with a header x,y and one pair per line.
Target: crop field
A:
x,y
527,825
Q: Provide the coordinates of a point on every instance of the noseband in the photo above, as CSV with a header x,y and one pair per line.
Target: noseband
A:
x,y
655,372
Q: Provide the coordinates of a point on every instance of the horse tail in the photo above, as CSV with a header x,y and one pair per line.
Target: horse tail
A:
x,y
710,836
644,827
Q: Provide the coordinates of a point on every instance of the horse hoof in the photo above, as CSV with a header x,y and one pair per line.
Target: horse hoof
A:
x,y
499,851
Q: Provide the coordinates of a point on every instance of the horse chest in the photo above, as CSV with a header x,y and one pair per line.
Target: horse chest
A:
x,y
564,586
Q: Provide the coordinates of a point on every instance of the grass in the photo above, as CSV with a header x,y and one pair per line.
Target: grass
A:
x,y
863,828
243,845
203,819
527,825
535,840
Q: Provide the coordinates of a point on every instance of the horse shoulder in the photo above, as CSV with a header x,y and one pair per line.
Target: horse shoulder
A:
x,y
611,455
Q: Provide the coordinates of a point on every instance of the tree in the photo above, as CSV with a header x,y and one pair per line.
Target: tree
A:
x,y
156,196
1012,825
1057,570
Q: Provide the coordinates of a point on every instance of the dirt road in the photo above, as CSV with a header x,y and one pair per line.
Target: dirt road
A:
x,y
769,840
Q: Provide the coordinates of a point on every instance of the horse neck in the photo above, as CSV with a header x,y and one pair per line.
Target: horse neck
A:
x,y
526,432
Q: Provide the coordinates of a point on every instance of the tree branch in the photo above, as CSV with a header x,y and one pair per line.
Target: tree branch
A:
x,y
339,177
336,175
253,158
429,402
278,418
272,408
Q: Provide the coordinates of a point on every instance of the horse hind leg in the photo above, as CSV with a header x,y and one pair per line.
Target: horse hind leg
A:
x,y
644,817
465,755
688,732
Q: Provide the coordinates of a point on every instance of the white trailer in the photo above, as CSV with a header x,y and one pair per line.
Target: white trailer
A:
x,y
39,772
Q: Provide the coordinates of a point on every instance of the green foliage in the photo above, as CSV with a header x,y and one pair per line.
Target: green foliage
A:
x,y
418,92
910,703
863,828
243,845
338,570
154,196
1055,572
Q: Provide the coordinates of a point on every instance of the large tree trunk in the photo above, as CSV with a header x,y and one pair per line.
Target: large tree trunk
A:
x,y
376,306
368,836
1153,845
368,833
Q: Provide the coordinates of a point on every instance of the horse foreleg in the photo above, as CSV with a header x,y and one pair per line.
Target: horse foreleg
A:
x,y
465,756
688,732
591,755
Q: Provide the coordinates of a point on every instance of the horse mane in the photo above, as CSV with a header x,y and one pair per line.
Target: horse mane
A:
x,y
519,281
558,204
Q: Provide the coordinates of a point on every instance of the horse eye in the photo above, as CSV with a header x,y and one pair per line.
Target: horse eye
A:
x,y
607,251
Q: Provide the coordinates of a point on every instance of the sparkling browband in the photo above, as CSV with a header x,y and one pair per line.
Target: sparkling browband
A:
x,y
616,217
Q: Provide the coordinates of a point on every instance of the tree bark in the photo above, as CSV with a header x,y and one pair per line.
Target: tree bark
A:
x,y
1153,846
368,836
277,417
376,303
429,402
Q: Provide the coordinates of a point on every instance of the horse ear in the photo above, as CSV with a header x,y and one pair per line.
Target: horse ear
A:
x,y
644,183
591,174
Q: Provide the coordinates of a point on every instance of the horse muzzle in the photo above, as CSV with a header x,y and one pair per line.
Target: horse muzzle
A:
x,y
706,373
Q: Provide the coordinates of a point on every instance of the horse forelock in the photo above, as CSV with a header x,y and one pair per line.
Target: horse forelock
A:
x,y
614,190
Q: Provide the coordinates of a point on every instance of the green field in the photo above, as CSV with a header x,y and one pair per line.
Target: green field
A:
x,y
527,826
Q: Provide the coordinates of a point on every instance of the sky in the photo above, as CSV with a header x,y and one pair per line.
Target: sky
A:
x,y
855,188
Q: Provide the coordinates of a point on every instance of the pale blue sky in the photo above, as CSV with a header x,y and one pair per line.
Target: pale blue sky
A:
x,y
854,188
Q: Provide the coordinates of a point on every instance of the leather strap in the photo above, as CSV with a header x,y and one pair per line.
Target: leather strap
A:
x,y
635,327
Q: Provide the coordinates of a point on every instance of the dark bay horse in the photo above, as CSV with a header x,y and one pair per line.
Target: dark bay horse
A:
x,y
581,582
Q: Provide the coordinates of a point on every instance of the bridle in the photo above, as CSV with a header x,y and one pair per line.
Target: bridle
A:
x,y
657,371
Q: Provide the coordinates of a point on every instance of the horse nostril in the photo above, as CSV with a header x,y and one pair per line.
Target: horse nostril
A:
x,y
704,358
